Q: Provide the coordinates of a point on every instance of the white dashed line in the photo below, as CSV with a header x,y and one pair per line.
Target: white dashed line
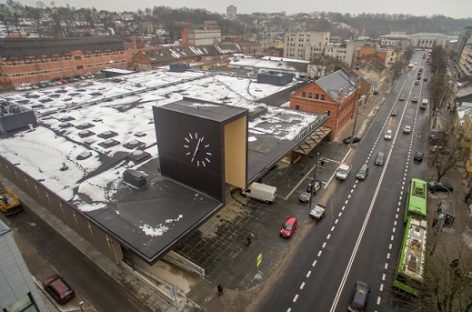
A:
x,y
345,203
392,237
302,285
295,298
336,221
388,256
352,190
378,300
398,209
324,245
399,203
343,207
319,253
383,277
386,265
381,287
328,236
340,214
308,274
393,230
396,216
332,228
314,263
395,222
349,196
390,246
289,309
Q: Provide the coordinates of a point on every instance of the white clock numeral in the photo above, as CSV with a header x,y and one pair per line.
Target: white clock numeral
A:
x,y
203,163
207,146
188,153
190,135
187,140
196,135
207,160
198,163
208,153
186,146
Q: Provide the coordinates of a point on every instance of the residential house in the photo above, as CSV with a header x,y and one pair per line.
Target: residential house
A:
x,y
305,45
374,72
335,95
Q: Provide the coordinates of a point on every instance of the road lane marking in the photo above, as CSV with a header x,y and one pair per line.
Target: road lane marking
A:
x,y
386,265
319,253
383,277
328,236
332,228
295,298
324,245
336,221
302,285
314,263
381,287
388,256
378,300
308,274
390,246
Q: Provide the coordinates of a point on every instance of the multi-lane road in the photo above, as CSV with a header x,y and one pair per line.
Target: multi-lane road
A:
x,y
361,235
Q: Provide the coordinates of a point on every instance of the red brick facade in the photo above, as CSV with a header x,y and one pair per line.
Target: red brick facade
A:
x,y
32,69
312,99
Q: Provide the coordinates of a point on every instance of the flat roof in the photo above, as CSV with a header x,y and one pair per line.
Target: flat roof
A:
x,y
79,151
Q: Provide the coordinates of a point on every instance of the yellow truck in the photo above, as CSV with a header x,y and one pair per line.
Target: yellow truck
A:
x,y
9,203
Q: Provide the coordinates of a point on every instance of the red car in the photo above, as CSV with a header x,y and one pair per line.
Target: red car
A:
x,y
289,227
58,288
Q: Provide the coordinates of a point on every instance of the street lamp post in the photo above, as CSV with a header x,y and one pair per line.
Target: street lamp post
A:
x,y
442,217
357,111
314,178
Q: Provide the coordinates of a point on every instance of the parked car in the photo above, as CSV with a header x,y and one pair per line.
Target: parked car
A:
x,y
439,187
59,289
314,186
343,172
388,135
360,297
288,227
348,140
304,197
379,159
407,129
318,212
418,156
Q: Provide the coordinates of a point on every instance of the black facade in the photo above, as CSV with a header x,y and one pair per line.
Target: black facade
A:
x,y
275,78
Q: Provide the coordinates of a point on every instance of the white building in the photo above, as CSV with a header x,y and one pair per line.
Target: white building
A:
x,y
465,61
231,12
342,52
393,39
428,40
17,291
305,45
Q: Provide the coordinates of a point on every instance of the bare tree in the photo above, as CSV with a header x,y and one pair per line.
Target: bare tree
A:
x,y
447,281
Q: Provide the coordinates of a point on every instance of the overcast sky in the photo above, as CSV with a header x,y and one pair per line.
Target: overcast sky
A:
x,y
453,8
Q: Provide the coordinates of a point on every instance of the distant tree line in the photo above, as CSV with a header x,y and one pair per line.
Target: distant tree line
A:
x,y
60,21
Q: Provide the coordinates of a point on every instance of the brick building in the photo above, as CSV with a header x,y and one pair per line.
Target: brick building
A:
x,y
335,95
33,60
208,34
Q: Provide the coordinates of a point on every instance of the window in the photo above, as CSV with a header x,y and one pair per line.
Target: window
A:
x,y
77,57
322,97
303,94
310,95
317,96
80,66
297,107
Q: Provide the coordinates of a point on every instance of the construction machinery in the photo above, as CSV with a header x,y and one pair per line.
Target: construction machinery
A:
x,y
9,203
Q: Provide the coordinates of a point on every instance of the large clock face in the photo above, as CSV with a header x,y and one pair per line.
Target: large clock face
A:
x,y
197,150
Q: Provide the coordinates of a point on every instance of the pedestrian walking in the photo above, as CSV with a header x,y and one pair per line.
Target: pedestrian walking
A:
x,y
219,287
249,239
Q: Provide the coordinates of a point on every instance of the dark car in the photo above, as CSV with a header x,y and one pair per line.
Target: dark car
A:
x,y
379,160
359,298
402,97
314,186
348,140
58,288
419,156
440,187
288,227
393,113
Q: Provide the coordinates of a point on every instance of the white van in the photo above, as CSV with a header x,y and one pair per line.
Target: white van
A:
x,y
263,192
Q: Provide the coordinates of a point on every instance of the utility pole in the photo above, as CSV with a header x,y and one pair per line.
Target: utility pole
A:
x,y
314,178
357,110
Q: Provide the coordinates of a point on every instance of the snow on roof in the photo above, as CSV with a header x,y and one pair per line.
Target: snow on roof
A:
x,y
261,64
123,105
285,59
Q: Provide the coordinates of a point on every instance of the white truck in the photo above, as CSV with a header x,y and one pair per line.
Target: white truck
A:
x,y
262,192
318,212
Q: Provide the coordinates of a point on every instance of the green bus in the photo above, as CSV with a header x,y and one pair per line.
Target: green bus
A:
x,y
417,200
410,268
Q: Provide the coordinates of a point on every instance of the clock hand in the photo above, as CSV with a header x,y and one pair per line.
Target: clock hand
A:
x,y
196,149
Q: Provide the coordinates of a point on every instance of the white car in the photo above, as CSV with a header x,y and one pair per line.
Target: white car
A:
x,y
388,135
407,129
318,212
343,172
425,101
